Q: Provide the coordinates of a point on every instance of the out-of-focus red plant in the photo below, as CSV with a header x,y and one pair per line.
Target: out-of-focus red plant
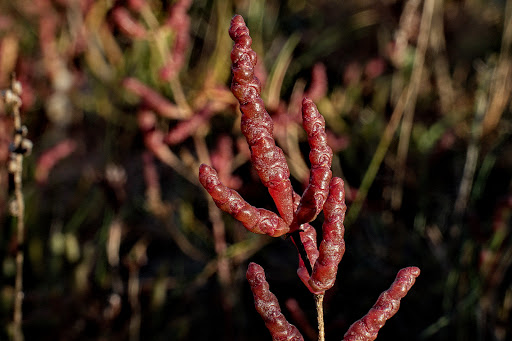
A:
x,y
179,22
50,157
152,98
127,24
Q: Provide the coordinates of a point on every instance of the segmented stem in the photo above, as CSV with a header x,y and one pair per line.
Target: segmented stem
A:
x,y
268,307
308,239
332,246
320,157
257,126
367,328
257,220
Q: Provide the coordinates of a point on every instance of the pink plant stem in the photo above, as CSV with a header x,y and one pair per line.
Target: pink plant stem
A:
x,y
257,126
179,22
152,98
137,5
127,24
367,328
319,82
185,129
154,141
268,307
51,157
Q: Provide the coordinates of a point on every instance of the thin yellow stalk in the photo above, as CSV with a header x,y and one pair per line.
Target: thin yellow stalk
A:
x,y
319,299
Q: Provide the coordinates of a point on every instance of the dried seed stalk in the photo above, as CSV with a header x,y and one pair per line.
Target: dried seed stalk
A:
x,y
268,307
367,328
20,147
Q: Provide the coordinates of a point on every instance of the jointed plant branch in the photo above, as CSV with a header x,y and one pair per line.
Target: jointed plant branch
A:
x,y
318,266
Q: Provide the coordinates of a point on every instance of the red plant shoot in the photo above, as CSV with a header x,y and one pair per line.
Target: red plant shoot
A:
x,y
257,126
257,220
387,305
332,246
318,266
268,159
320,157
268,307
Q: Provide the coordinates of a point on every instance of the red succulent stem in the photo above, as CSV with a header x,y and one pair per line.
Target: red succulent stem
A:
x,y
268,307
317,266
332,246
367,328
257,126
308,240
325,259
320,157
257,220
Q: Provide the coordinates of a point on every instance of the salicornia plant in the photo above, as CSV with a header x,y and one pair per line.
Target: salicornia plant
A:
x,y
317,265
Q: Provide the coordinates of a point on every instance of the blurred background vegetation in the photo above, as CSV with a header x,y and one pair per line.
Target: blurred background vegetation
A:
x,y
124,99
